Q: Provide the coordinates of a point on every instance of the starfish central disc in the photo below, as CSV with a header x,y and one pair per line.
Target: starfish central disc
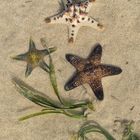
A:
x,y
33,58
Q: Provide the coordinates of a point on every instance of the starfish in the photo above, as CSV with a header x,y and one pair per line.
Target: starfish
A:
x,y
90,71
75,15
34,58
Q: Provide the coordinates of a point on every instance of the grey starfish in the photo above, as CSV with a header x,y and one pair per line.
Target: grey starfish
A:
x,y
90,71
34,58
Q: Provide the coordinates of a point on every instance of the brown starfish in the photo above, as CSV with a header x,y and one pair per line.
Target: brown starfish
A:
x,y
34,58
90,71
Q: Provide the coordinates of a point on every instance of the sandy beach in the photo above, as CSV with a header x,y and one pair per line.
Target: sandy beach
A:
x,y
20,19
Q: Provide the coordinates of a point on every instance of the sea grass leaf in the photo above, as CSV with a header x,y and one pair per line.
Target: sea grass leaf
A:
x,y
68,108
94,127
39,113
32,94
75,114
129,133
52,72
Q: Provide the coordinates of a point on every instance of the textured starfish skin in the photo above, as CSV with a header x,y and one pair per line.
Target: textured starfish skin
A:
x,y
75,15
34,58
90,71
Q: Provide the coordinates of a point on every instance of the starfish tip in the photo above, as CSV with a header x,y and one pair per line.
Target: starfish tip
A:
x,y
99,94
68,56
71,40
100,98
116,70
27,73
16,57
98,46
47,20
66,87
13,57
101,27
119,70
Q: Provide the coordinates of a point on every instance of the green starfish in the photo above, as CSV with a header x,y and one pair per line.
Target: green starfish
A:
x,y
34,58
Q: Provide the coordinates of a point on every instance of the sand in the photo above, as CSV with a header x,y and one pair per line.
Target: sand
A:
x,y
20,19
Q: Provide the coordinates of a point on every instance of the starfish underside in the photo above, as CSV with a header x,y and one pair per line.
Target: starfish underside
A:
x,y
90,71
75,15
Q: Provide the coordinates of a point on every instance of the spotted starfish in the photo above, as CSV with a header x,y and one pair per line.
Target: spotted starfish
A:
x,y
34,58
90,71
75,15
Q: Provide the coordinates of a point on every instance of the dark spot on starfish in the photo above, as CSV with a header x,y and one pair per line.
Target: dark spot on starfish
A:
x,y
74,16
67,5
72,34
92,21
83,18
70,20
66,19
100,26
47,20
78,21
73,25
75,10
54,18
90,71
88,19
71,40
72,31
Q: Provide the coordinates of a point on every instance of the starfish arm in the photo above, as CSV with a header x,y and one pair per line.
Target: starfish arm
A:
x,y
88,4
72,83
88,21
29,69
67,3
44,66
45,52
60,18
76,61
63,4
97,88
73,31
31,45
96,54
22,57
110,70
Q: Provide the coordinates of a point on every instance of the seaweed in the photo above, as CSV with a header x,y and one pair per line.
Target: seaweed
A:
x,y
72,109
94,127
91,127
128,133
